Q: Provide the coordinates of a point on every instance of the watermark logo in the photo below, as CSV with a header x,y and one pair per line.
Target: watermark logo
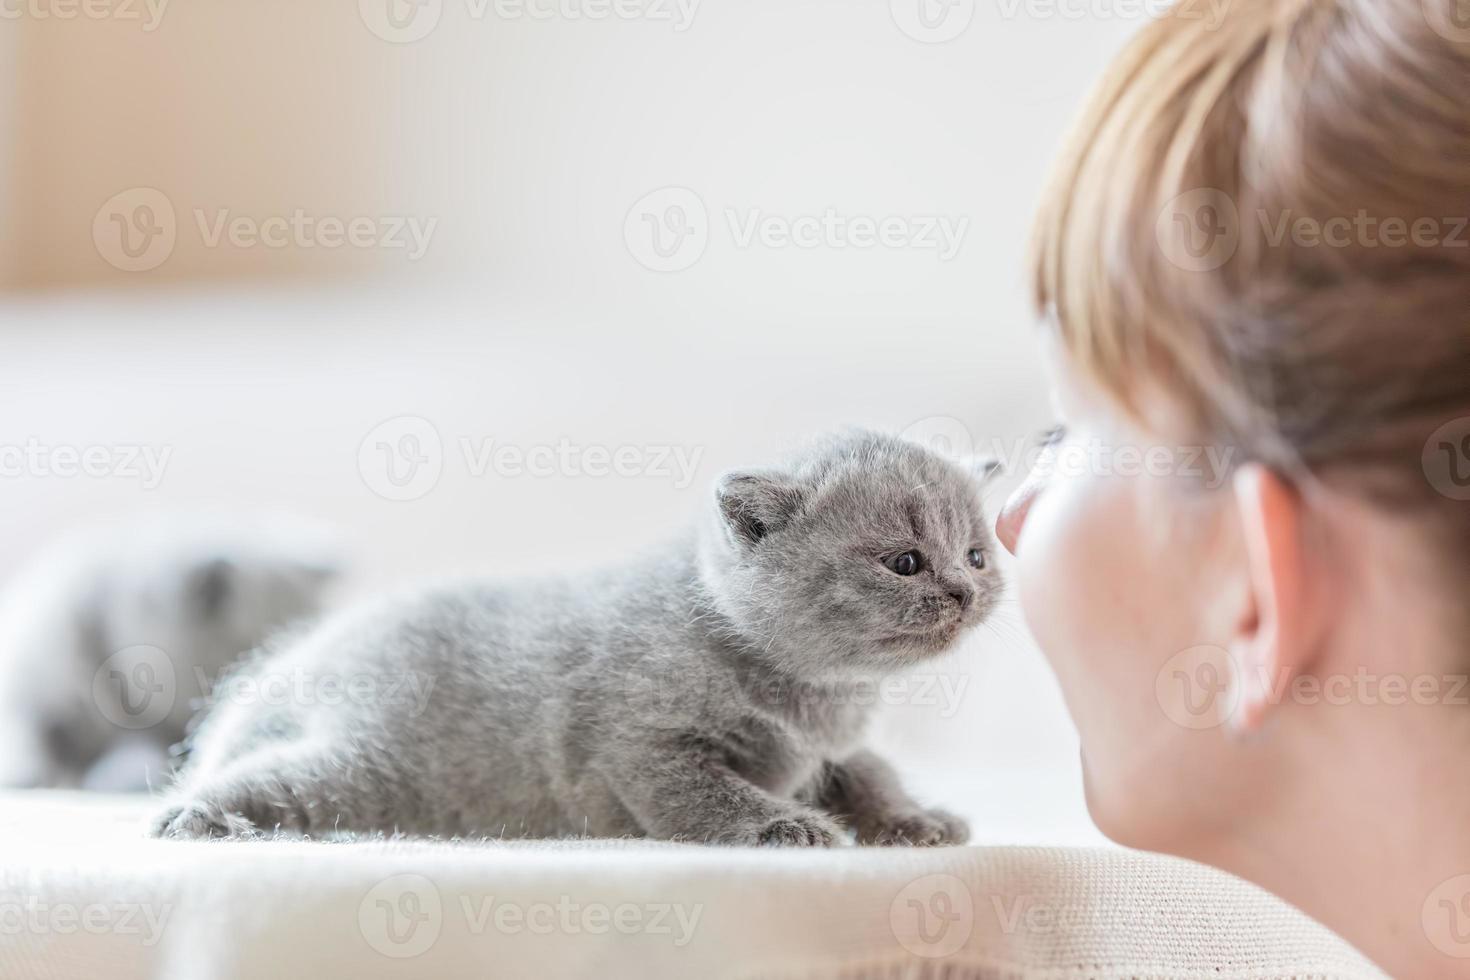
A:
x,y
664,698
402,459
1446,459
1208,466
401,21
932,21
933,916
407,21
940,233
135,230
1199,230
943,692
303,230
1196,687
568,917
679,13
148,12
942,434
145,464
1201,688
1212,12
1450,19
299,686
136,687
1362,230
29,916
1446,916
667,230
401,916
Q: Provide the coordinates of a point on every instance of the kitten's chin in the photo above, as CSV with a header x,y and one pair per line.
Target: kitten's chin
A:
x,y
920,644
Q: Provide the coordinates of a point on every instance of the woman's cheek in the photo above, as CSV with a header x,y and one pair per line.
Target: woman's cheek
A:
x,y
1074,575
1102,601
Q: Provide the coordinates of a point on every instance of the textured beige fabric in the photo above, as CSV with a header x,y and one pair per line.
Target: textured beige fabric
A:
x,y
84,896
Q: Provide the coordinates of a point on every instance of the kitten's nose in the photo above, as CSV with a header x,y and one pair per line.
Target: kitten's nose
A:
x,y
963,595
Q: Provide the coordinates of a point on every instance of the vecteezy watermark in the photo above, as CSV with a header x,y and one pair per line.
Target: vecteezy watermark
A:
x,y
1201,688
933,916
402,459
33,458
1450,19
149,13
674,699
1362,230
300,686
668,230
1197,688
1209,466
938,21
403,916
1445,916
918,689
30,916
1200,230
568,917
932,21
136,687
1212,12
137,230
1446,459
1037,915
407,21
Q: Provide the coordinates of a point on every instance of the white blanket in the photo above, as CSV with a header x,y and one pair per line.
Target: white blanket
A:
x,y
83,895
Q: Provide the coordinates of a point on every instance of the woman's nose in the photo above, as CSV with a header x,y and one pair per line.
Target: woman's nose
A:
x,y
1013,515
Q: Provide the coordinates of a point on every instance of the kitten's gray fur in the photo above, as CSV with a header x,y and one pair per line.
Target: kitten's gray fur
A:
x,y
710,691
165,602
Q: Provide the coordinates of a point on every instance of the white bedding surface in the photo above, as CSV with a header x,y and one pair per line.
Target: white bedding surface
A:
x,y
83,895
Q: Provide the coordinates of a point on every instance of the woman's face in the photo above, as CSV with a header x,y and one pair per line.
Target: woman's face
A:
x,y
1127,562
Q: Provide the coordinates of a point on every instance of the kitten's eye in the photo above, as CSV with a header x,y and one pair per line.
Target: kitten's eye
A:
x,y
975,557
1053,436
907,563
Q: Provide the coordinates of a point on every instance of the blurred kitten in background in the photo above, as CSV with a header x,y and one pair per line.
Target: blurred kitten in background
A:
x,y
109,640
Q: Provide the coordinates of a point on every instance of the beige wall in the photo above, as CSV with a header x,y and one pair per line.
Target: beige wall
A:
x,y
250,109
530,142
9,75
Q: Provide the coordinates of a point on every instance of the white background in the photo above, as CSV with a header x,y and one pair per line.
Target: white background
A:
x,y
531,319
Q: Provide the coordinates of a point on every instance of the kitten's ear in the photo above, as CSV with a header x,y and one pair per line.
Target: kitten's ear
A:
x,y
755,503
209,585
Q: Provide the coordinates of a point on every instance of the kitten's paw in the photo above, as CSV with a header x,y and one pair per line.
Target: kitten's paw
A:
x,y
797,831
920,828
197,820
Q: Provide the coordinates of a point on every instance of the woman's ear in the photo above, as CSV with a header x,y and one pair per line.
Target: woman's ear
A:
x,y
1279,629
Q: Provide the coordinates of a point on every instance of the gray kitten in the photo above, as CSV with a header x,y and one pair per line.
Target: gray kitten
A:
x,y
107,638
711,691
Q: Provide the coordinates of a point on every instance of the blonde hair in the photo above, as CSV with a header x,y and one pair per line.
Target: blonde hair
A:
x,y
1174,248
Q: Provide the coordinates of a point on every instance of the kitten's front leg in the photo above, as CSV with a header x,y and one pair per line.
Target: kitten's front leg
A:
x,y
692,793
865,791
